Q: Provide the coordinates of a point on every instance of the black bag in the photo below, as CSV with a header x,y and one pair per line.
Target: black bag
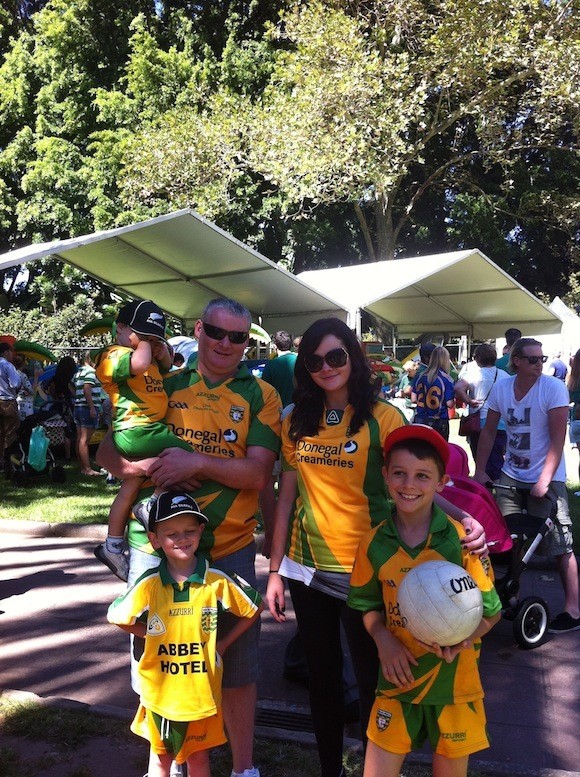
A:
x,y
470,424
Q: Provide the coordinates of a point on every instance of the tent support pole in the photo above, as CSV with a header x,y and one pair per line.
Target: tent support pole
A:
x,y
355,321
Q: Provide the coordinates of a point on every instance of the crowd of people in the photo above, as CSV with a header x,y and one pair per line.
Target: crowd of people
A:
x,y
68,389
350,494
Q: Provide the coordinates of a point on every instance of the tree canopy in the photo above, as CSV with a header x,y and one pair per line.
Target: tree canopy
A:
x,y
320,131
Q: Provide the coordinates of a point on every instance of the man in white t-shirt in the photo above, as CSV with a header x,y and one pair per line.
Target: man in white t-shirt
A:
x,y
535,410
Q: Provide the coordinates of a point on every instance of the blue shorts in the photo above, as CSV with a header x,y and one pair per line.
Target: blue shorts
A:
x,y
82,416
574,432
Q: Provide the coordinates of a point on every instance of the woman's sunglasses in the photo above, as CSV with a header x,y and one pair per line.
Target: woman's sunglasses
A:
x,y
218,334
535,359
338,357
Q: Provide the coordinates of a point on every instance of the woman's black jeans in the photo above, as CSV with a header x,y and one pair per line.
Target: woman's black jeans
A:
x,y
319,616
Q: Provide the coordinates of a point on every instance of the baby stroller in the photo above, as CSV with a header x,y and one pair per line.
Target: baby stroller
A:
x,y
511,546
22,469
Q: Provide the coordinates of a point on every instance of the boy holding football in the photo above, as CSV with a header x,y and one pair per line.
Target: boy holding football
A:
x,y
423,690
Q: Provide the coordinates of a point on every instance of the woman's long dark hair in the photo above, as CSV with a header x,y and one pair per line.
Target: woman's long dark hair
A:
x,y
63,376
309,398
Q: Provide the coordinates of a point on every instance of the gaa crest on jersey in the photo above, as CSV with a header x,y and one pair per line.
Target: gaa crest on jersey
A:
x,y
209,619
383,719
155,626
237,413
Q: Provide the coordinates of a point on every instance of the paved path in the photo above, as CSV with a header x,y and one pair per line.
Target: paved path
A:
x,y
55,641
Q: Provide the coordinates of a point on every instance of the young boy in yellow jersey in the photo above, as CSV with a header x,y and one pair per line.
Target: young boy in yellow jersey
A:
x,y
424,691
180,706
131,373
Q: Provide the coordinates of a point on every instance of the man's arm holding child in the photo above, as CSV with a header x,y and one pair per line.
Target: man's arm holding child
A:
x,y
175,466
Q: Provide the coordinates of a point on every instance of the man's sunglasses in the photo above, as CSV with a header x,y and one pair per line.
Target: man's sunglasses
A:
x,y
338,357
535,359
216,333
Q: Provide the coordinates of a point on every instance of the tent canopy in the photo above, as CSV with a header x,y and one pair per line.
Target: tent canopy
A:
x,y
459,293
182,261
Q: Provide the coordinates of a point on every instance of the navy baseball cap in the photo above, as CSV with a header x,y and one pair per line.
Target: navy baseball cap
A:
x,y
144,317
170,504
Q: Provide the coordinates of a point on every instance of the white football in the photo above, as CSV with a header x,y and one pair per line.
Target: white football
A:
x,y
440,602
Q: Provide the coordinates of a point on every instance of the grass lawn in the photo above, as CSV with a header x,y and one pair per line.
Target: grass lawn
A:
x,y
77,738
87,499
80,499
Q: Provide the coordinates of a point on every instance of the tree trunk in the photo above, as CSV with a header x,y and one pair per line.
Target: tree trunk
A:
x,y
386,239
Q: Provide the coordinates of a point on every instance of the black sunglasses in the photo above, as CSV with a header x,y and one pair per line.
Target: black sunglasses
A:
x,y
338,357
535,359
216,333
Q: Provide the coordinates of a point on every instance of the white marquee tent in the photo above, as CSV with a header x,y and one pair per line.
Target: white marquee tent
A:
x,y
458,293
181,261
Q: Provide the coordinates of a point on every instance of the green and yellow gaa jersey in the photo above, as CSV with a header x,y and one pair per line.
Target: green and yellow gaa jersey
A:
x,y
224,421
180,670
382,561
138,400
342,491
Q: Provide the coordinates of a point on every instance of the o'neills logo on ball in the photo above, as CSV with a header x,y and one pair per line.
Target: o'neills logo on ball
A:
x,y
463,583
383,719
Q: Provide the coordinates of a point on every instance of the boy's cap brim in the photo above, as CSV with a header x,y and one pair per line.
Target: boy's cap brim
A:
x,y
418,432
170,504
144,317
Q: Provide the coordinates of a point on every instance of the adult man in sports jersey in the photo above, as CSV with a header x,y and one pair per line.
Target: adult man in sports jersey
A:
x,y
232,421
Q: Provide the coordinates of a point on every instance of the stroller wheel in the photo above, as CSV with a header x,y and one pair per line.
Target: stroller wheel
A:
x,y
531,622
20,478
58,474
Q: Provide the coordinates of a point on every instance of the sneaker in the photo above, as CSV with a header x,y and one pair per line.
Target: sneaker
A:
x,y
117,562
253,772
141,513
111,480
563,623
576,493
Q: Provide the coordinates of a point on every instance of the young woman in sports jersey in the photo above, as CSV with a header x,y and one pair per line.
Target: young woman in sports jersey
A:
x,y
331,460
433,393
